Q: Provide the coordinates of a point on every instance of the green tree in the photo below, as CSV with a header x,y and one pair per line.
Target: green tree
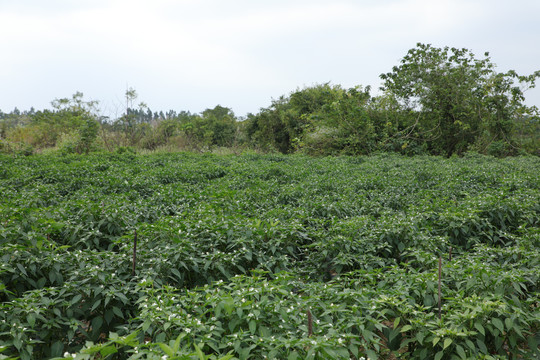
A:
x,y
71,118
87,135
218,126
348,123
461,101
283,125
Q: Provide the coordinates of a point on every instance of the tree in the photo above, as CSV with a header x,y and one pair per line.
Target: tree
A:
x,y
72,118
133,124
218,126
460,101
283,125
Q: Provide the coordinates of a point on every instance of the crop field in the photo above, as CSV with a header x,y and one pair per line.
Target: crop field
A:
x,y
187,256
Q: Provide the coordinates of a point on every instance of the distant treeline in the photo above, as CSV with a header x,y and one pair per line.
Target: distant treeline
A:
x,y
439,101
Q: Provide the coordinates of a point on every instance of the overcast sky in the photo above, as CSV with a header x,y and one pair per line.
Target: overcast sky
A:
x,y
192,55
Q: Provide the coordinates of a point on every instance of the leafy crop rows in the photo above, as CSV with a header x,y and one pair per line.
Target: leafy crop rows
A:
x,y
284,257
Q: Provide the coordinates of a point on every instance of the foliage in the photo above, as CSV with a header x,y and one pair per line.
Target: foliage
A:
x,y
437,101
461,100
282,125
234,251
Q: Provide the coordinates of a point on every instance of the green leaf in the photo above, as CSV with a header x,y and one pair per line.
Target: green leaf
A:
x,y
200,354
533,343
447,343
293,356
146,325
168,350
108,316
160,337
342,353
482,346
95,305
52,276
461,352
122,297
226,357
76,299
97,322
273,353
480,328
57,348
22,269
498,324
31,319
509,323
406,328
439,355
117,312
252,326
176,273
108,350
420,337
372,355
354,350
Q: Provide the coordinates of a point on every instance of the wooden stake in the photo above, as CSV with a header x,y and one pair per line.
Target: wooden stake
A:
x,y
440,272
134,254
309,323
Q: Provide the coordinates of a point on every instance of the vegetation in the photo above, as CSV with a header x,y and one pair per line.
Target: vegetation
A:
x,y
269,256
438,101
460,100
127,238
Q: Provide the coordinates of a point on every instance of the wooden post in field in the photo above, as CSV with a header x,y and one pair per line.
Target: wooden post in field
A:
x,y
440,271
134,254
309,323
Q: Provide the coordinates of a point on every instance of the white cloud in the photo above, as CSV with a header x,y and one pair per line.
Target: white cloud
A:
x,y
193,54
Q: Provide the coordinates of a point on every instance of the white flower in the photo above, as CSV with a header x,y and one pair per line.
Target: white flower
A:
x,y
188,330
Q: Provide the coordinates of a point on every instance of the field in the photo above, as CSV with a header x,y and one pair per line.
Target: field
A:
x,y
267,256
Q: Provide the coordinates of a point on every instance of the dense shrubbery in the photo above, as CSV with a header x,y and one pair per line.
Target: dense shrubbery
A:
x,y
233,252
438,101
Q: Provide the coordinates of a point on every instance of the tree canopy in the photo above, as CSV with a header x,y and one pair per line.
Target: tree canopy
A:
x,y
460,100
439,101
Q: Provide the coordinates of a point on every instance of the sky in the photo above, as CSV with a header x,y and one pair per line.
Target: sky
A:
x,y
188,55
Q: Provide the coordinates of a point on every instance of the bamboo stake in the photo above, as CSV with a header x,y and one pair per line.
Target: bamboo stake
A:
x,y
309,323
134,254
440,273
